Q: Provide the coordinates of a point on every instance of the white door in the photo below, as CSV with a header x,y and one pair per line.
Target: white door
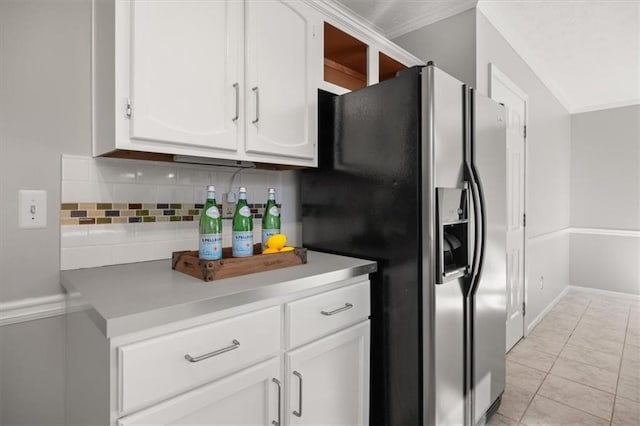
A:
x,y
281,70
186,72
505,91
328,380
249,397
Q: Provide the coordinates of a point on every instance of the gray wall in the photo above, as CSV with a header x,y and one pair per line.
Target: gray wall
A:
x,y
548,169
464,45
605,169
450,43
605,195
44,112
32,375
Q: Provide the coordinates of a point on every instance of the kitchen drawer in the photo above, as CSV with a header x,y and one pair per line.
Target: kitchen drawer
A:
x,y
157,368
321,314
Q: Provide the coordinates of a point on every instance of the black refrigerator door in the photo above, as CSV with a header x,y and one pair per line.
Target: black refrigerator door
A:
x,y
364,201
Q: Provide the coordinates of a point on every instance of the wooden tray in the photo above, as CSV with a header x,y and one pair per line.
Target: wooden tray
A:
x,y
208,270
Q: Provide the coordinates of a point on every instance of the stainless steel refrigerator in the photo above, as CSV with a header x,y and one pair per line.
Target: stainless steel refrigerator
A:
x,y
412,174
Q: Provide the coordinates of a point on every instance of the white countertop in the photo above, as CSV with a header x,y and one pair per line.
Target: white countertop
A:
x,y
136,296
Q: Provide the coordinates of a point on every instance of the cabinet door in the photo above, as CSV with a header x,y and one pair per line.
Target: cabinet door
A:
x,y
328,380
283,71
249,397
186,72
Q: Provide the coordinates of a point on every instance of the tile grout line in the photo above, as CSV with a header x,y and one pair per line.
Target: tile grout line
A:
x,y
624,345
549,372
536,393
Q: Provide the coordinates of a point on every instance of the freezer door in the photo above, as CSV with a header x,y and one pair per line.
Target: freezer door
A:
x,y
443,304
490,298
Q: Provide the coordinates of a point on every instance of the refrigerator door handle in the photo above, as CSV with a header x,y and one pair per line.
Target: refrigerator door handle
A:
x,y
480,230
477,196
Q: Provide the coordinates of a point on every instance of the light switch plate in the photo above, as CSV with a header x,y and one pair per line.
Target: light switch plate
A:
x,y
32,207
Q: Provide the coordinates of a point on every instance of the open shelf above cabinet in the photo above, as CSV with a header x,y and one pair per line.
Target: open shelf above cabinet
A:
x,y
345,59
388,67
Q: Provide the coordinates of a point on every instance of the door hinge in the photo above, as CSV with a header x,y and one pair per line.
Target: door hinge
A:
x,y
525,131
524,220
524,309
127,110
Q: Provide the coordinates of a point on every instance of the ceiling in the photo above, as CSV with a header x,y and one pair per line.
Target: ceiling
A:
x,y
587,52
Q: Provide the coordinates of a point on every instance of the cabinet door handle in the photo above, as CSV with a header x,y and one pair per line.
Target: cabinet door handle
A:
x,y
299,412
277,382
257,92
346,307
237,87
234,345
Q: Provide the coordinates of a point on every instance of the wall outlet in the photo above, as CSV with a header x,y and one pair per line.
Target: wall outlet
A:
x,y
33,209
228,205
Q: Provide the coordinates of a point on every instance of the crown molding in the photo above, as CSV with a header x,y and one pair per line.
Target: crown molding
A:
x,y
539,70
348,21
611,105
429,18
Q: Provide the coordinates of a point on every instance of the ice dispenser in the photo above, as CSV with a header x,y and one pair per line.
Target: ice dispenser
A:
x,y
452,233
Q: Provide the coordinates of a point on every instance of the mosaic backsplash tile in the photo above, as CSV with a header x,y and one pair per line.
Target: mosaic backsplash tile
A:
x,y
115,211
118,213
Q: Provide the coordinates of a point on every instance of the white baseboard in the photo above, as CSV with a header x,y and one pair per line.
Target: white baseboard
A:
x,y
608,293
37,308
546,310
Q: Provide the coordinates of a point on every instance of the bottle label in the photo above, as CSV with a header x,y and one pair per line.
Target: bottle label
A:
x,y
273,211
213,212
245,211
242,243
210,246
266,233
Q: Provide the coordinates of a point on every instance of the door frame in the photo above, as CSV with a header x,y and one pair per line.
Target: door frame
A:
x,y
496,75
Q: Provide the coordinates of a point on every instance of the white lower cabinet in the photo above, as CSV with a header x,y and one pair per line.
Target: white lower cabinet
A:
x,y
249,397
328,380
248,365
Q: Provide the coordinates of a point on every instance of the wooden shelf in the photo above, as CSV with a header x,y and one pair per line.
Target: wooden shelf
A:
x,y
345,59
388,67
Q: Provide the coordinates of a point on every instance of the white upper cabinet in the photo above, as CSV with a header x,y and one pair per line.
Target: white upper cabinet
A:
x,y
283,71
186,72
169,78
228,79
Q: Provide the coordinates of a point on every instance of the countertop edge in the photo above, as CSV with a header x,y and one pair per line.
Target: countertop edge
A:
x,y
146,319
157,317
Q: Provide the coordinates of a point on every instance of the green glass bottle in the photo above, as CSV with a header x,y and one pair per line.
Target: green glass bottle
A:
x,y
242,235
270,218
210,247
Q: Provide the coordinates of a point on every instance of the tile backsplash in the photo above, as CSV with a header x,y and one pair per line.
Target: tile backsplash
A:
x,y
140,210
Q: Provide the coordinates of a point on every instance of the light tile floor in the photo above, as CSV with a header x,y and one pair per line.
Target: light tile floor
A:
x,y
579,366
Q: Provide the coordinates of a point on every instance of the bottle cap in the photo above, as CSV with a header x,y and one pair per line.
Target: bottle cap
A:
x,y
211,188
243,189
272,190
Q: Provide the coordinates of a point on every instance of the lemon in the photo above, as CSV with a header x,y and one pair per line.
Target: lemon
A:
x,y
287,248
269,251
277,241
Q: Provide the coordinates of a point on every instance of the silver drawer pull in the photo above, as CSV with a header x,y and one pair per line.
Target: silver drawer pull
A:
x,y
256,91
235,345
299,412
236,86
346,307
277,382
